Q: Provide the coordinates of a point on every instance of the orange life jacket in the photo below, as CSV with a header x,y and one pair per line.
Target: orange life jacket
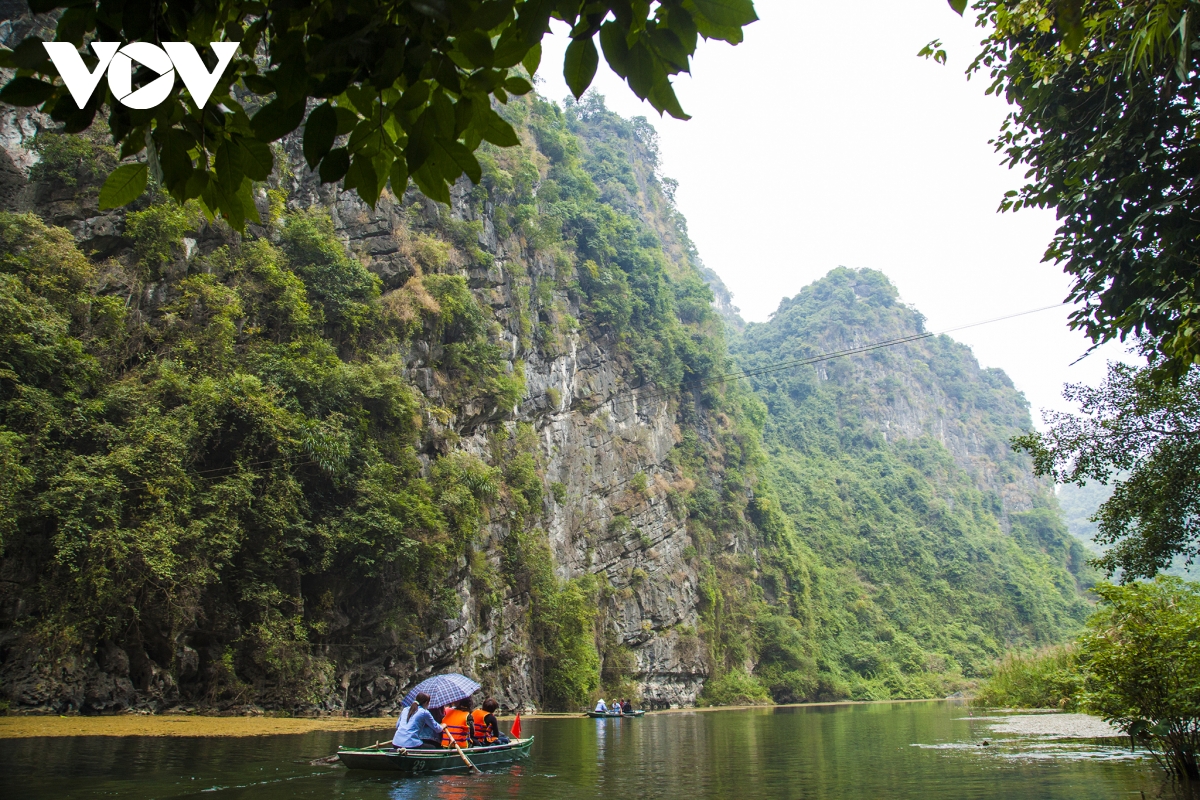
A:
x,y
456,724
480,729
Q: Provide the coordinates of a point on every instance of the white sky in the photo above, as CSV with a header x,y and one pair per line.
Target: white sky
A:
x,y
822,140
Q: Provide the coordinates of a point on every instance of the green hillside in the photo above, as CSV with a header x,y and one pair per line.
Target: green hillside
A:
x,y
937,550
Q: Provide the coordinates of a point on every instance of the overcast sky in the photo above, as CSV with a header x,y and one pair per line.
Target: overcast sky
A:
x,y
822,140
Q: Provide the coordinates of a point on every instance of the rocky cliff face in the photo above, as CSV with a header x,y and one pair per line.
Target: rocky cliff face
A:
x,y
603,439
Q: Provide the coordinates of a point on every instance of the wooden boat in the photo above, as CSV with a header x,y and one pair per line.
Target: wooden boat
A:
x,y
421,761
615,714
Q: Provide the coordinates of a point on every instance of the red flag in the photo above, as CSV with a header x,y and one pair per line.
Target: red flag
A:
x,y
516,727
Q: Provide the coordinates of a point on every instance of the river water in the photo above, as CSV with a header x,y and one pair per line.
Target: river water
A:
x,y
923,751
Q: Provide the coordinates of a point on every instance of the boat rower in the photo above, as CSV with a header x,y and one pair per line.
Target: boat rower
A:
x,y
417,727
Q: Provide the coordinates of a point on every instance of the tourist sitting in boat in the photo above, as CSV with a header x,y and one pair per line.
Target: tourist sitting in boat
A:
x,y
626,707
601,707
416,727
456,724
485,730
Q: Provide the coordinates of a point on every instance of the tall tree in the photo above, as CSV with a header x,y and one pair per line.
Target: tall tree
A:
x,y
411,82
1105,95
1138,424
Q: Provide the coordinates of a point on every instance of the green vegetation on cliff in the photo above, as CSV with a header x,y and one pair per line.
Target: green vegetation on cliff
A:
x,y
915,546
215,457
260,472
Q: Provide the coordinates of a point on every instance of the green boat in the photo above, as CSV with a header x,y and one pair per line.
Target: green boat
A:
x,y
615,714
420,761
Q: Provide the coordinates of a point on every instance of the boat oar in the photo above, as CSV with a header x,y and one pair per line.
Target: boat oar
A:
x,y
316,762
463,756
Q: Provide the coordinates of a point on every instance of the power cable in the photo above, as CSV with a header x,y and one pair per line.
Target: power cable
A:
x,y
827,356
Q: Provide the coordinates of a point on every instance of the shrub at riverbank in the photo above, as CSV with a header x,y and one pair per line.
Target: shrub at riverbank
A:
x,y
1047,678
1137,665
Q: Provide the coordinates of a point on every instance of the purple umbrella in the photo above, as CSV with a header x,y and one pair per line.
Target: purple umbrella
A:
x,y
443,689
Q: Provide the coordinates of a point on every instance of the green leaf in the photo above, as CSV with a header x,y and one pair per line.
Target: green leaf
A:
x,y
491,14
124,185
414,96
579,66
366,140
334,165
399,177
74,118
276,120
42,6
431,184
518,85
229,204
228,166
663,98
319,133
363,178
346,120
257,159
245,196
735,13
495,129
533,59
173,146
29,54
25,92
959,6
616,49
196,184
461,157
477,47
511,48
258,84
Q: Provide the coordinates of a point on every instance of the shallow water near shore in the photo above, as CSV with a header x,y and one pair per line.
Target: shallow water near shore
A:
x,y
928,751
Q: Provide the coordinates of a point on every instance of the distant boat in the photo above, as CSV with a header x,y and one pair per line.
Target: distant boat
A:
x,y
415,761
607,714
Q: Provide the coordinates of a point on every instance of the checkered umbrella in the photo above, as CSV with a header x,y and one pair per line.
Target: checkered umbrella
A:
x,y
443,689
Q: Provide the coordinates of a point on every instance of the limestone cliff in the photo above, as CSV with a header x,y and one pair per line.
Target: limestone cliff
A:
x,y
603,435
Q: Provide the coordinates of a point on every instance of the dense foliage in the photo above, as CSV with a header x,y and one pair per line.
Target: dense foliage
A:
x,y
1105,125
217,460
214,457
1141,434
1047,678
1141,653
900,580
411,83
211,468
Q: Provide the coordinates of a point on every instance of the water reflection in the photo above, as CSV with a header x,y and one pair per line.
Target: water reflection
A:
x,y
927,751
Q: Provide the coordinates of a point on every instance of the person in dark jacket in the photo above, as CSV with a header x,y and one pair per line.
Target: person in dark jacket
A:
x,y
485,729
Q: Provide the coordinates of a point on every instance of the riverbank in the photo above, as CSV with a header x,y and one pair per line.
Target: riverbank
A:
x,y
21,727
27,726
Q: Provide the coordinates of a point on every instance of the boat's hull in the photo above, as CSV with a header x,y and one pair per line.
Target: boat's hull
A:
x,y
421,761
610,715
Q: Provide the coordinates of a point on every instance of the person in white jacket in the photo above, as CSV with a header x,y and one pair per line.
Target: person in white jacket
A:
x,y
601,707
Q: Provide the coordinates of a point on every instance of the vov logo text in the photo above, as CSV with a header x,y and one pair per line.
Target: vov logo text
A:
x,y
166,60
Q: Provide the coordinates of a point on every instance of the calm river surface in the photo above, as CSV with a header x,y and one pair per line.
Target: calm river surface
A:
x,y
928,751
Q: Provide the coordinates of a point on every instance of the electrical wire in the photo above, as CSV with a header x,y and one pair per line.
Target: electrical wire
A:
x,y
827,356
